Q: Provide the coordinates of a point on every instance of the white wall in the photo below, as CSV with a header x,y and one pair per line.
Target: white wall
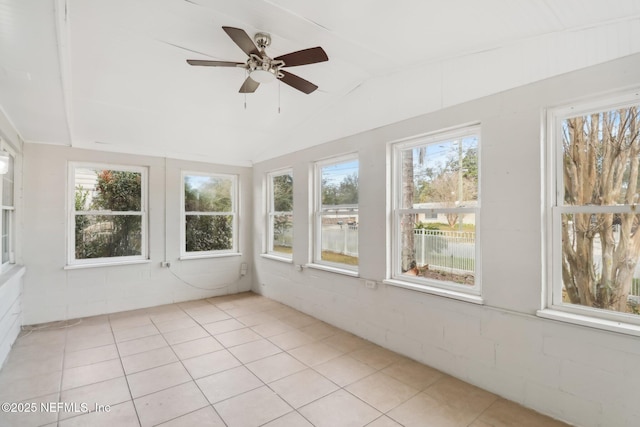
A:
x,y
11,279
53,293
581,375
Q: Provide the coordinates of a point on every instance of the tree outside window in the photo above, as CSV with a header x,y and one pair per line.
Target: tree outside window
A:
x,y
209,213
109,213
280,213
596,210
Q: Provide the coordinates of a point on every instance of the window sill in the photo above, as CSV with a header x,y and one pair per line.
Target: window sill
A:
x,y
277,258
11,272
205,256
441,292
106,264
591,322
352,273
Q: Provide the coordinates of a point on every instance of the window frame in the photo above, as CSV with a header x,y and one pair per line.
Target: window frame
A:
x,y
143,213
235,200
318,213
11,209
271,213
443,288
553,306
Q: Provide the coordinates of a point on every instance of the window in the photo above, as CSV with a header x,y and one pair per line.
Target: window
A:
x,y
336,213
108,214
209,220
280,213
436,211
595,221
8,209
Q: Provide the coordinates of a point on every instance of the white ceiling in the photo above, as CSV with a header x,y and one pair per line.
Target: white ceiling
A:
x,y
111,74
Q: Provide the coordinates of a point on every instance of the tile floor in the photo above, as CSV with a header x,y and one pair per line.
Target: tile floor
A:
x,y
240,360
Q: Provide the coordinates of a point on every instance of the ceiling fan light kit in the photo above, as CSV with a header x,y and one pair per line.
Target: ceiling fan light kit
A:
x,y
261,67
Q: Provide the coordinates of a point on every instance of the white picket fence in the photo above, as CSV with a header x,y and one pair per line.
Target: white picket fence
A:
x,y
341,240
445,250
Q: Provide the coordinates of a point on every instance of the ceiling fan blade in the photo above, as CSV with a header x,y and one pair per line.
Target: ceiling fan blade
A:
x,y
207,63
298,82
304,57
249,86
242,39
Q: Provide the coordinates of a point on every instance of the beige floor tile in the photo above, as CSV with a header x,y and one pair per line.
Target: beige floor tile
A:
x,y
292,339
254,350
84,330
23,389
415,374
184,335
273,328
460,395
346,342
223,326
89,374
176,324
503,413
423,410
256,319
315,353
299,320
33,417
205,417
17,369
340,408
237,337
211,317
292,419
383,421
197,347
344,370
171,313
140,345
229,383
109,392
210,363
382,392
170,403
121,321
253,408
275,367
122,415
92,341
156,379
376,356
90,356
34,352
136,332
34,336
148,359
303,387
320,330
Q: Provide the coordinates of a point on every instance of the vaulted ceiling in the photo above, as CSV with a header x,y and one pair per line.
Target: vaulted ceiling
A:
x,y
112,74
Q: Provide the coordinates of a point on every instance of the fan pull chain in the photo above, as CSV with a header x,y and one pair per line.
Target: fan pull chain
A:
x,y
279,86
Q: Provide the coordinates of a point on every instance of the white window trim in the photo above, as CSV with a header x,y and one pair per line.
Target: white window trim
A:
x,y
396,278
553,307
278,256
144,213
316,253
235,191
4,146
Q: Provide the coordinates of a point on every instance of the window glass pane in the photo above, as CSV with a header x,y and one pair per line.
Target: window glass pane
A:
x,y
438,251
283,193
6,233
108,190
339,185
209,232
207,194
600,158
440,175
340,237
7,184
103,236
283,233
599,261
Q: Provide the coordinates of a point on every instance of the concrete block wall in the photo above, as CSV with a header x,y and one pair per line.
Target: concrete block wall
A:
x,y
584,376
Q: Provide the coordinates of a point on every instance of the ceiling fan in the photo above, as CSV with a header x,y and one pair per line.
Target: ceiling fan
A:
x,y
261,67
